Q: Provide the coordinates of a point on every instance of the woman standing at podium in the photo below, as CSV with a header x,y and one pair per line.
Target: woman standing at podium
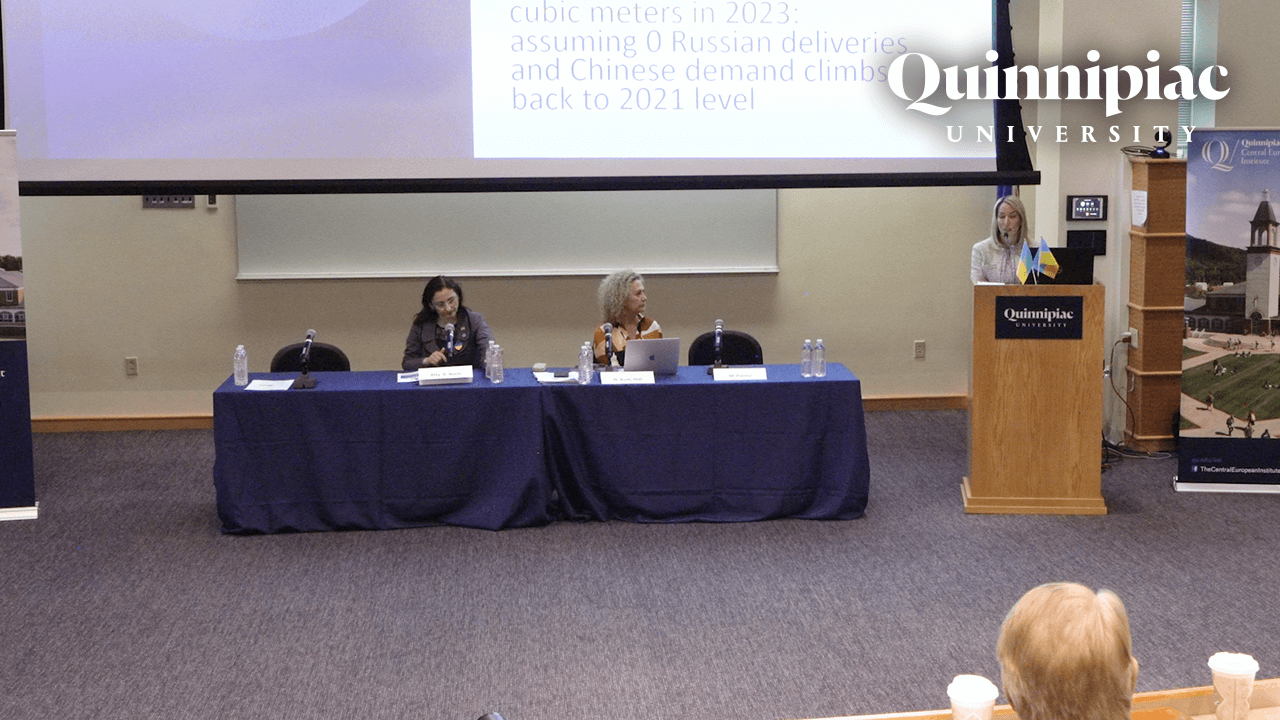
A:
x,y
428,344
622,302
996,258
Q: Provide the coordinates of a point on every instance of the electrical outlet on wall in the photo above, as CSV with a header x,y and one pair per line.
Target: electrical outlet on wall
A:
x,y
919,350
131,366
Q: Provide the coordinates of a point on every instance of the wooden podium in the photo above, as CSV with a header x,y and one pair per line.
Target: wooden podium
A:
x,y
1035,413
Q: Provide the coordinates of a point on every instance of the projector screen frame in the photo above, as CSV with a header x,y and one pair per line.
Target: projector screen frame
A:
x,y
478,185
1013,166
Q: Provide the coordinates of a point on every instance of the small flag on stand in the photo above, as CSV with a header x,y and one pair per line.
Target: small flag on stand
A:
x,y
1046,263
1025,264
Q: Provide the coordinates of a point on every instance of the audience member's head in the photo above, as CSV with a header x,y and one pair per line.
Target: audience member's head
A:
x,y
1065,654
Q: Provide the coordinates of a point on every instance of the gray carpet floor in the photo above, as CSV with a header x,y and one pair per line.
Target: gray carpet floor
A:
x,y
123,600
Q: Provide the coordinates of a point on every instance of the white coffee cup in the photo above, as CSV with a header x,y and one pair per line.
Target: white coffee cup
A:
x,y
1233,676
973,697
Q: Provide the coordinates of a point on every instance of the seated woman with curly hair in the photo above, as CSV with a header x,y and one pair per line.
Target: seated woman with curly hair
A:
x,y
622,302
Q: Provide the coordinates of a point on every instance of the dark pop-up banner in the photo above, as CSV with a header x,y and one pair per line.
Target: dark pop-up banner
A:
x,y
17,475
1230,413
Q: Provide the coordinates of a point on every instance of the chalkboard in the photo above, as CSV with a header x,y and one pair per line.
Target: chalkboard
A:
x,y
503,234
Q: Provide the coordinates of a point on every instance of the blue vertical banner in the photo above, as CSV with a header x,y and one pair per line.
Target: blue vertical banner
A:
x,y
1229,435
17,474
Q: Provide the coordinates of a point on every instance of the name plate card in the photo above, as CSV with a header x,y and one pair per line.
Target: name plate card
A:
x,y
733,374
269,385
446,375
627,377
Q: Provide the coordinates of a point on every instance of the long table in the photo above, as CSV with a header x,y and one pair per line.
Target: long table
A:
x,y
362,451
1196,703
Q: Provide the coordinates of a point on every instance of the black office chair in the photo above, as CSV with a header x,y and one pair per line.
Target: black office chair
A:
x,y
323,357
737,348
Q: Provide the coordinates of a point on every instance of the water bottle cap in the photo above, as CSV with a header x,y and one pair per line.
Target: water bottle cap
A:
x,y
819,339
808,340
239,347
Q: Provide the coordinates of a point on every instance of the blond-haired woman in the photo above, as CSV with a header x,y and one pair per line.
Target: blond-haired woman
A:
x,y
622,304
995,259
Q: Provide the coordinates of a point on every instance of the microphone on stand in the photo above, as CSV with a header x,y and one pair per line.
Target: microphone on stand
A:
x,y
306,350
608,344
305,381
719,342
449,337
718,347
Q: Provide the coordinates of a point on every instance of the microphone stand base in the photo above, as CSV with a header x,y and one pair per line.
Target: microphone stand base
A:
x,y
304,382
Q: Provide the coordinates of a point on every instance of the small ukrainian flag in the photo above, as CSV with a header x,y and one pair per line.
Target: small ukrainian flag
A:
x,y
1046,263
1025,264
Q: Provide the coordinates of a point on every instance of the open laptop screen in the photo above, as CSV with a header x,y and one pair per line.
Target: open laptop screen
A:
x,y
661,355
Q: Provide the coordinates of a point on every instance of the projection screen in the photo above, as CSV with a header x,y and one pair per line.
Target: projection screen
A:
x,y
402,95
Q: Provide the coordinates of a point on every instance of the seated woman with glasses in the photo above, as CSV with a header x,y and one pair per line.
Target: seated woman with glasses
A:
x,y
428,342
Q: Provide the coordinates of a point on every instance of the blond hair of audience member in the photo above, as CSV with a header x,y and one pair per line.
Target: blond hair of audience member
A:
x,y
1065,654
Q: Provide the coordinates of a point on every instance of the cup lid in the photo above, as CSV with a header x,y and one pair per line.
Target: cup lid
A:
x,y
973,688
1233,663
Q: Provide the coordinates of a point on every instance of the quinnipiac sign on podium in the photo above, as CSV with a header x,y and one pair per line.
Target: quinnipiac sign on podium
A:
x,y
1039,317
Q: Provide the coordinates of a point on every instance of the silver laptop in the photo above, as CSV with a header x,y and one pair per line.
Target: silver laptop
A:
x,y
661,355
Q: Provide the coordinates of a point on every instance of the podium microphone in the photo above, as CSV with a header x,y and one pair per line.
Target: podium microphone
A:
x,y
449,336
608,344
305,381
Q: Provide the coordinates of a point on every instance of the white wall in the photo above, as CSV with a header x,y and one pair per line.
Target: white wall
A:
x,y
107,280
1123,33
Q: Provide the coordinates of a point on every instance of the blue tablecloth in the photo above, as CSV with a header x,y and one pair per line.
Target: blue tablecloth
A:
x,y
361,451
688,448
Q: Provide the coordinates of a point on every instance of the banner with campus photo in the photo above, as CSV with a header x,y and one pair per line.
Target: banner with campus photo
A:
x,y
1230,409
17,475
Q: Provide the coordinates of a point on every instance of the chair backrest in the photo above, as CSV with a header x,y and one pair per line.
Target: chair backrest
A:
x,y
737,348
323,357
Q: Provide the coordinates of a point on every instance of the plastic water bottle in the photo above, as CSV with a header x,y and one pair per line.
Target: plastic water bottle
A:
x,y
495,359
819,359
806,359
584,364
488,359
240,366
